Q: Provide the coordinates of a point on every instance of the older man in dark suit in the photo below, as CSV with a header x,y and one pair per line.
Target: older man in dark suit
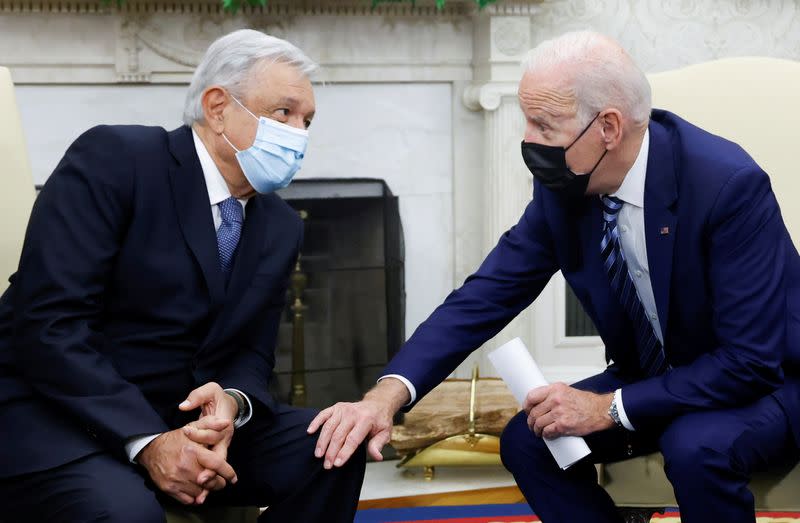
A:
x,y
137,337
673,242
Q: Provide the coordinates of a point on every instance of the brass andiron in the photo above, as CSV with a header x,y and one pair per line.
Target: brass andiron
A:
x,y
299,280
471,448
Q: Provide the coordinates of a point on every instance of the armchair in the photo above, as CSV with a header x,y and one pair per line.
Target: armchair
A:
x,y
753,101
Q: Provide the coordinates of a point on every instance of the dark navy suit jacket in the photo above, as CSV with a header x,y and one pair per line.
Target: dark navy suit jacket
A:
x,y
723,268
119,307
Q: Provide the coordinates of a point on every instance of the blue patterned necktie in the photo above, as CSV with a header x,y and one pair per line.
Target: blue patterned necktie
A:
x,y
229,232
651,353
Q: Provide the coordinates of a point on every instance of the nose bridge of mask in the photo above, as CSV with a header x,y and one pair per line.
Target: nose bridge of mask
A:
x,y
271,132
277,133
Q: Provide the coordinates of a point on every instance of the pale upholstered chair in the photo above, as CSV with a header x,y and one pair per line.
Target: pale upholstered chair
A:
x,y
756,103
16,185
17,194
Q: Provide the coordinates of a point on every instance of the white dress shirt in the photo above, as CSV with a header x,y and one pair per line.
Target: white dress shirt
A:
x,y
630,224
217,192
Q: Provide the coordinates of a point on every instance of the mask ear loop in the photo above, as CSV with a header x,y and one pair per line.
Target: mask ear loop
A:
x,y
248,111
229,143
579,136
598,162
256,117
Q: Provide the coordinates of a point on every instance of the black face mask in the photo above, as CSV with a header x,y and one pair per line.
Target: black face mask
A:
x,y
548,164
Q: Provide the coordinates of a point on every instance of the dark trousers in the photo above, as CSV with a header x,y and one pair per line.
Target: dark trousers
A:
x,y
709,458
273,458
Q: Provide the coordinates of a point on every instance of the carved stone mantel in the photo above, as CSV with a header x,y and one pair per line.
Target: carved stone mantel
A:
x,y
150,41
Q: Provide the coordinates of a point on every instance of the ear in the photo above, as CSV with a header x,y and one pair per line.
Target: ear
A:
x,y
215,100
611,128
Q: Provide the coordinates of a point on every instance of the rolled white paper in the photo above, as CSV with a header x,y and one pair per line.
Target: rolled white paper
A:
x,y
518,369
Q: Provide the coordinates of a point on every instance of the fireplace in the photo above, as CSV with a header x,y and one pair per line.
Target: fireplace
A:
x,y
353,302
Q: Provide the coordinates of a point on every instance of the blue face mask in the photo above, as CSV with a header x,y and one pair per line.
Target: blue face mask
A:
x,y
275,156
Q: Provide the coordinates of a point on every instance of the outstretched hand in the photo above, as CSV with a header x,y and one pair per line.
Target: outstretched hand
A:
x,y
346,425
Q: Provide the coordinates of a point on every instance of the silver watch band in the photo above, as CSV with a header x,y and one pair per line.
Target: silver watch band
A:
x,y
241,406
613,412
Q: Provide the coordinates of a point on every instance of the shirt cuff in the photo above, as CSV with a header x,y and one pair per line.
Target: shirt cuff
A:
x,y
135,445
247,415
621,410
412,391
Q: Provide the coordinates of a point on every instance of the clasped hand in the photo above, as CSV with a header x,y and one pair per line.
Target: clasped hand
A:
x,y
189,462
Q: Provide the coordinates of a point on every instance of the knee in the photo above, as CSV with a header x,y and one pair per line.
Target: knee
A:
x,y
358,461
692,455
353,471
133,507
518,444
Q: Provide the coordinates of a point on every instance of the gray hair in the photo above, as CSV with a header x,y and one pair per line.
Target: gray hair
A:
x,y
603,74
229,61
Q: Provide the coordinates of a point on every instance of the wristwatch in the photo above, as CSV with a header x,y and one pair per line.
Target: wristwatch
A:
x,y
614,413
241,406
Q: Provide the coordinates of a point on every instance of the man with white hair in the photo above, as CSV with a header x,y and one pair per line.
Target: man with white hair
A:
x,y
137,337
673,241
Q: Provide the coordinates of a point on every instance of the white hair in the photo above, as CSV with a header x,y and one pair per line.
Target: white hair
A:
x,y
603,74
229,61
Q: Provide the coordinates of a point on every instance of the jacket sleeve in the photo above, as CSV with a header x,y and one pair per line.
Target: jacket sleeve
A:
x,y
508,280
747,252
251,370
74,234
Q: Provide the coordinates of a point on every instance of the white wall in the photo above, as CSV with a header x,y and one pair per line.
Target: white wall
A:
x,y
54,115
401,133
393,120
666,34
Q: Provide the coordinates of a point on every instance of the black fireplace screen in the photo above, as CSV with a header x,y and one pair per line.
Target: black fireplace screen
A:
x,y
354,296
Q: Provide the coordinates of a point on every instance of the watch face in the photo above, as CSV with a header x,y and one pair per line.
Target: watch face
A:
x,y
612,412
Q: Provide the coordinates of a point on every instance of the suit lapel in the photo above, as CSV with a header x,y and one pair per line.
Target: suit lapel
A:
x,y
190,195
256,242
660,219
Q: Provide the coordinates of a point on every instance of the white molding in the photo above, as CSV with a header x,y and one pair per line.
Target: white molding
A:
x,y
423,8
510,36
560,338
67,7
162,42
488,97
518,8
500,43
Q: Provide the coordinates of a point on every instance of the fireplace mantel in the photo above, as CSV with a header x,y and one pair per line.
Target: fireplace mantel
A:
x,y
160,42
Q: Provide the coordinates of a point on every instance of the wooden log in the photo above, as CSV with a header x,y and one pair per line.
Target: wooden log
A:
x,y
444,412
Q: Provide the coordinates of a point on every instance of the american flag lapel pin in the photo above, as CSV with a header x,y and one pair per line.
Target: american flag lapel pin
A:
x,y
664,231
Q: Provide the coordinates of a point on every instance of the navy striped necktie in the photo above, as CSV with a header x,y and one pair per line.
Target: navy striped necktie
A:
x,y
651,353
229,232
